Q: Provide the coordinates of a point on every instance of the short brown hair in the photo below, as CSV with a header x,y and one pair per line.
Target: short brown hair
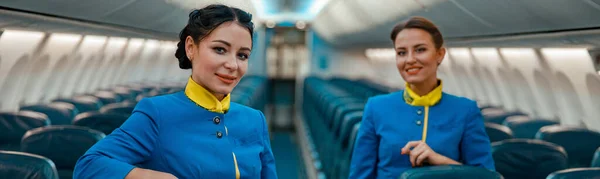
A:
x,y
423,24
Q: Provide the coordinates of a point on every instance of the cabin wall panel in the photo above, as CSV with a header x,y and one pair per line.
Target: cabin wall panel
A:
x,y
16,50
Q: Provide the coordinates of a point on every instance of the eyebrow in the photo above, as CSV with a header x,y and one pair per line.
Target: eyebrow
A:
x,y
418,45
229,45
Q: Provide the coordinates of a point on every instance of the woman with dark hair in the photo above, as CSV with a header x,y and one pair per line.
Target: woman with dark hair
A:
x,y
197,133
420,125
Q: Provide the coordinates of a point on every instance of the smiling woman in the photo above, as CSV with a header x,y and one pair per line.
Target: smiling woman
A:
x,y
197,133
396,136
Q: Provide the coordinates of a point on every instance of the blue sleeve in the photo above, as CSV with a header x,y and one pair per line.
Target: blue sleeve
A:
x,y
132,143
267,159
475,146
366,147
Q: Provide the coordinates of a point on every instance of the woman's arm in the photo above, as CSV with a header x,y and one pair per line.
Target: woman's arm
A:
x,y
133,142
366,147
266,157
475,145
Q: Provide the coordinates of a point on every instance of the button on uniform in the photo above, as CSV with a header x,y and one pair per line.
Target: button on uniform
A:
x,y
219,134
419,112
418,122
217,120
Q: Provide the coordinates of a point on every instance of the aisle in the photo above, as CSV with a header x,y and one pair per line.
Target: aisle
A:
x,y
286,155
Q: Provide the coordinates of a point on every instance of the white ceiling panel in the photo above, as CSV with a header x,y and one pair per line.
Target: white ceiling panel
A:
x,y
460,19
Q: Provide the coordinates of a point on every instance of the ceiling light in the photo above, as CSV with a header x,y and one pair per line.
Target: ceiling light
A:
x,y
300,25
270,24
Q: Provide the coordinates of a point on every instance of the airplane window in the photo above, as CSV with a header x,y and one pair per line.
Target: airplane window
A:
x,y
506,79
57,76
593,84
33,79
464,82
10,86
548,99
86,74
526,98
72,76
570,105
492,86
480,86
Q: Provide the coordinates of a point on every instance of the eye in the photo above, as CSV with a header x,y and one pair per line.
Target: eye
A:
x,y
421,49
219,50
401,53
243,56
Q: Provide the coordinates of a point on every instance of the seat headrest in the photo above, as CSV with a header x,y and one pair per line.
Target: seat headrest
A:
x,y
14,125
63,144
73,111
83,103
450,172
497,132
353,134
59,113
525,127
528,158
107,97
119,108
499,116
492,111
104,122
346,127
25,165
575,173
580,143
596,159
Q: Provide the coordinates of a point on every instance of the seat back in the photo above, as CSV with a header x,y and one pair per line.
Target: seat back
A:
x,y
62,144
580,143
497,132
528,158
59,113
575,173
103,122
107,97
14,125
118,108
25,165
346,125
83,103
352,138
344,171
596,159
525,127
340,112
450,172
498,116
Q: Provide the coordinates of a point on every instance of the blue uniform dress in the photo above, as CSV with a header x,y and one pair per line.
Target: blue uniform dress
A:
x,y
189,134
452,126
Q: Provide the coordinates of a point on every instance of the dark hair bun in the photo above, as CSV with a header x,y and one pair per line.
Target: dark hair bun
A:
x,y
202,21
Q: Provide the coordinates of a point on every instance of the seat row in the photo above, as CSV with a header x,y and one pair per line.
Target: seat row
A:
x,y
580,151
538,149
33,144
333,118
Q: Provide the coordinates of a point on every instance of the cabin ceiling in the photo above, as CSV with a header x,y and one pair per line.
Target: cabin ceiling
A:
x,y
342,23
163,18
457,19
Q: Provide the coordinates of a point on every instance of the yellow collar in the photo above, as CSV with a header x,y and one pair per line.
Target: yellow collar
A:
x,y
205,99
432,98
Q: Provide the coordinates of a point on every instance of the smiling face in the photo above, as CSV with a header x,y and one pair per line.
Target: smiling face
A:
x,y
417,58
220,59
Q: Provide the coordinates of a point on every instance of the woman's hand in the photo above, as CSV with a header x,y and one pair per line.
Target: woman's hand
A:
x,y
151,174
420,152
